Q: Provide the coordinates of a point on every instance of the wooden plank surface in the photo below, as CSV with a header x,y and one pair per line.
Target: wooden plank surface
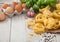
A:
x,y
58,37
5,30
18,33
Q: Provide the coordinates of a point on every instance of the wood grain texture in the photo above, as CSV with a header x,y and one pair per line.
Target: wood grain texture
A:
x,y
5,30
18,33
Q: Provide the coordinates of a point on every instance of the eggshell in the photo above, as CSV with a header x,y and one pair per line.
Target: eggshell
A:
x,y
23,5
24,11
18,8
17,13
14,3
9,11
2,16
5,6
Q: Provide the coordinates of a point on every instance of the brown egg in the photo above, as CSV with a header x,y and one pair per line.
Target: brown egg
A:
x,y
18,8
14,3
9,10
23,5
2,16
5,6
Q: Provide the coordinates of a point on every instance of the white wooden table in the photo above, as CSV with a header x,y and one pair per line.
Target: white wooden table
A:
x,y
14,29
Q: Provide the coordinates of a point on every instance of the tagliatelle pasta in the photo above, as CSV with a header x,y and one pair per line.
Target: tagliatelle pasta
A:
x,y
58,6
56,14
39,28
38,18
47,8
31,23
50,23
46,20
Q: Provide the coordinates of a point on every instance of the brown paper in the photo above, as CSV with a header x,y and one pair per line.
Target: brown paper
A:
x,y
54,31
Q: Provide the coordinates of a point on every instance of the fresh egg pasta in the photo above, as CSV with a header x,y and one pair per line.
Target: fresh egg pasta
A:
x,y
46,20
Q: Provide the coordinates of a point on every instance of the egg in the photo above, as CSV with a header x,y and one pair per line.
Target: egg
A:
x,y
2,16
9,10
5,6
14,3
18,8
23,5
